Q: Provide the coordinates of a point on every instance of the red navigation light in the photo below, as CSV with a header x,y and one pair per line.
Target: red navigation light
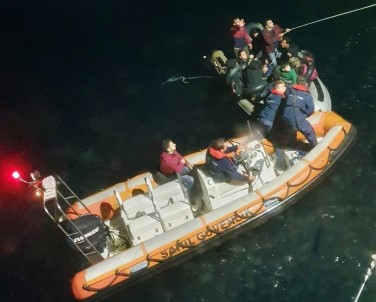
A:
x,y
16,175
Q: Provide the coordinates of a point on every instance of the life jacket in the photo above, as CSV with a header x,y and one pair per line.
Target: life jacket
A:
x,y
214,163
218,154
309,72
300,87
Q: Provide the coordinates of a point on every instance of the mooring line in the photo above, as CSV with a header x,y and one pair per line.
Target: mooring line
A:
x,y
345,13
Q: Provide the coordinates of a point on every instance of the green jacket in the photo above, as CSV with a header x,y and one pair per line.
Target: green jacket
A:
x,y
288,76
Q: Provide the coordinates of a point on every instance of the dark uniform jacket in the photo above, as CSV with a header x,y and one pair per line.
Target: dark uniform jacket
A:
x,y
299,105
221,167
272,103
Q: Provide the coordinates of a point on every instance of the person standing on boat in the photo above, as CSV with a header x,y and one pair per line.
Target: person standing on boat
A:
x,y
172,162
299,106
257,44
272,34
242,40
220,165
270,120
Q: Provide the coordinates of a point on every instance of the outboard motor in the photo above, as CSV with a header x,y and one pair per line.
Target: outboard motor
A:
x,y
92,229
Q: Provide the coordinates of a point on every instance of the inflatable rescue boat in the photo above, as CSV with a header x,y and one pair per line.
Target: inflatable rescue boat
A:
x,y
138,226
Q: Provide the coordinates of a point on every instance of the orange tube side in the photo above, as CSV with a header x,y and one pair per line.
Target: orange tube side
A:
x,y
104,208
77,286
333,119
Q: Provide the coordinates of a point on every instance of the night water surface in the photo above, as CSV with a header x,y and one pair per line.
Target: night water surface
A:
x,y
81,95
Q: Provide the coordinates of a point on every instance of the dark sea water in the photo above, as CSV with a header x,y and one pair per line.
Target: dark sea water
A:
x,y
81,96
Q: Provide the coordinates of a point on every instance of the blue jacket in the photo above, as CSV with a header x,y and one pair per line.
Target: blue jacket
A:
x,y
270,108
221,167
299,105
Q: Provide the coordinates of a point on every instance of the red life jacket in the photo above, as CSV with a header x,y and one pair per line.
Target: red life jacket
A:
x,y
218,154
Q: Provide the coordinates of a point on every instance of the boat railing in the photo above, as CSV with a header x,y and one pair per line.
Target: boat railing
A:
x,y
56,191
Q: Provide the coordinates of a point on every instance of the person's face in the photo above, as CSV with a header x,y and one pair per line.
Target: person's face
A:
x,y
270,24
287,68
243,56
239,22
284,44
172,146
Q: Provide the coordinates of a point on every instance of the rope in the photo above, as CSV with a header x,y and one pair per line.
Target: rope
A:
x,y
150,259
244,217
345,13
369,273
90,288
119,273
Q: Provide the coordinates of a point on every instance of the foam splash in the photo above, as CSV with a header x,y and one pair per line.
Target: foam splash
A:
x,y
184,79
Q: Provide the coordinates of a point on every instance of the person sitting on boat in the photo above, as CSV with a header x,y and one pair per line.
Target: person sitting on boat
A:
x,y
299,106
243,58
255,64
289,49
247,77
242,40
221,166
305,69
287,74
272,34
253,76
172,162
269,118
